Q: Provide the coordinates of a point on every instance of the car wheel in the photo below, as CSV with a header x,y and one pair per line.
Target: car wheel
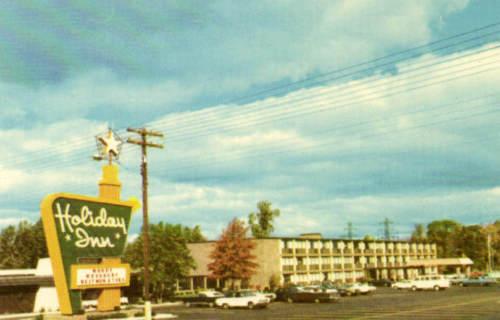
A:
x,y
250,305
413,288
348,293
461,284
316,300
211,305
289,300
436,288
225,306
188,304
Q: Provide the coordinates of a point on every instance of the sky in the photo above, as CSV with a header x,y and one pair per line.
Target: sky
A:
x,y
334,111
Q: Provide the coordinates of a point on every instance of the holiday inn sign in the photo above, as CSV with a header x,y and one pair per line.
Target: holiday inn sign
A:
x,y
86,237
80,229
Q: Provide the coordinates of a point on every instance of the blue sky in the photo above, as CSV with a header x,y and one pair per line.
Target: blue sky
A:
x,y
288,101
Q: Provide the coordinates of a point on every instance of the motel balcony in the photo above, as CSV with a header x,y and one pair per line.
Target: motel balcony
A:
x,y
326,251
326,267
288,269
314,267
314,252
348,251
301,268
336,252
300,252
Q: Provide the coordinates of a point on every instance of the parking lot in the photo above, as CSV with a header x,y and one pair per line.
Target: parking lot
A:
x,y
454,303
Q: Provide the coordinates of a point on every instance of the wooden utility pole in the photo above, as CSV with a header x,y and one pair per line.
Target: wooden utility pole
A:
x,y
144,144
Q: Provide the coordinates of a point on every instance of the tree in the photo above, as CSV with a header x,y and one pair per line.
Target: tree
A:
x,y
444,233
22,246
368,237
472,243
418,233
193,235
261,223
232,258
170,258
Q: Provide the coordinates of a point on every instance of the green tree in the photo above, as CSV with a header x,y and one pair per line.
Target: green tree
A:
x,y
22,246
193,235
170,258
261,222
445,234
368,237
232,258
472,243
7,248
418,233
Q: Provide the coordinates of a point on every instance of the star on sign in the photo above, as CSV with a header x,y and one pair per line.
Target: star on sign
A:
x,y
68,237
111,144
117,236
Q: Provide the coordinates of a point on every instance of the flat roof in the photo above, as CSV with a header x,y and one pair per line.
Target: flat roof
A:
x,y
327,239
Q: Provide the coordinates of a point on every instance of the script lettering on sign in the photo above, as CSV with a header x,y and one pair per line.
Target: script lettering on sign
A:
x,y
78,224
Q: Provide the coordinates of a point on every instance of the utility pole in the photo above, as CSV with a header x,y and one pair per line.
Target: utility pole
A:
x,y
144,144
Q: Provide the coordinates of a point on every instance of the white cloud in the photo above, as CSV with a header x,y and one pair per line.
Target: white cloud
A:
x,y
324,155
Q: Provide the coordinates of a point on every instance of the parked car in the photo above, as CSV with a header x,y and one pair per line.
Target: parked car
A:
x,y
328,287
269,295
364,288
455,279
429,282
242,299
402,284
382,283
300,294
204,298
347,289
477,281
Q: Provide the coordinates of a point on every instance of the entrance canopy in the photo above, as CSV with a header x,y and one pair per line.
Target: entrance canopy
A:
x,y
443,262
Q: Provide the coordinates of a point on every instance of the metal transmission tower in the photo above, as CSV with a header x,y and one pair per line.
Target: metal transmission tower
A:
x,y
349,230
488,243
144,144
387,229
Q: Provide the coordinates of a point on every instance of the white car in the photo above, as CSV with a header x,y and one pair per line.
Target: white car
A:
x,y
270,295
364,288
242,299
430,282
402,284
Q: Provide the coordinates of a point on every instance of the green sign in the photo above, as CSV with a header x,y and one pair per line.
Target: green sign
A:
x,y
80,229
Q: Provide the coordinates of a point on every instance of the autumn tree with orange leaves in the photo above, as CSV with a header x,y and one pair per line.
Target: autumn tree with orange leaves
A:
x,y
232,258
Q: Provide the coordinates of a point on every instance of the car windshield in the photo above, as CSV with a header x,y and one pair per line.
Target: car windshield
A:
x,y
246,294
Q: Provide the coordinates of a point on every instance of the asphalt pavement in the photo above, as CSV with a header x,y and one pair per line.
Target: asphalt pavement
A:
x,y
454,303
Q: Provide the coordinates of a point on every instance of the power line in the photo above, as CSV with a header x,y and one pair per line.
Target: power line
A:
x,y
490,26
266,105
322,109
335,104
327,143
